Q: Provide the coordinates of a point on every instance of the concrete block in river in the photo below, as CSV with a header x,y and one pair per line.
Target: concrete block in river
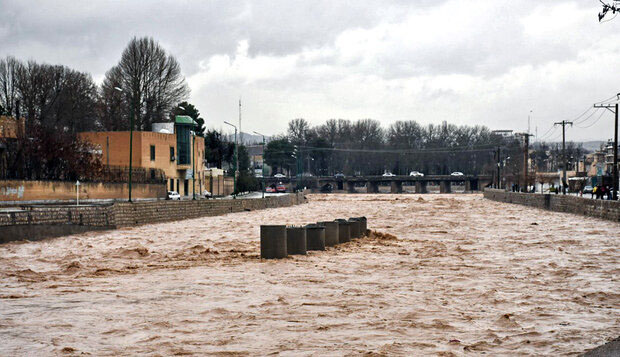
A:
x,y
296,240
344,232
331,233
356,231
364,225
315,237
273,241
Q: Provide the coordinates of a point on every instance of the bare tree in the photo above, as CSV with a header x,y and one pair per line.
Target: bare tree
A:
x,y
8,87
298,131
151,81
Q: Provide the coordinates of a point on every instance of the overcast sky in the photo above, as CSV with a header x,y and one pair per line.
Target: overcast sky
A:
x,y
486,62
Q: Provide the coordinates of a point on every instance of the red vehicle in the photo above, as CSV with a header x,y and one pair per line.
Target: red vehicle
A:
x,y
280,187
271,189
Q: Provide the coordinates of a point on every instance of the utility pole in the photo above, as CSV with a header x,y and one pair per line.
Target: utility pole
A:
x,y
526,154
615,168
564,123
236,162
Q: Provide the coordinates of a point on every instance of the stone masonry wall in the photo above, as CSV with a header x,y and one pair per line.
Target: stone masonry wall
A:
x,y
38,220
609,210
129,214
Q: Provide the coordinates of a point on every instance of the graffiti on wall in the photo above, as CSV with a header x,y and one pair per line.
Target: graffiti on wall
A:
x,y
11,191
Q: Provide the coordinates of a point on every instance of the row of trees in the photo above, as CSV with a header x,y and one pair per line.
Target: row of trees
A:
x,y
363,147
146,83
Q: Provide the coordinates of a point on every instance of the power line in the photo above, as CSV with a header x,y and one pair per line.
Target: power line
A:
x,y
549,133
594,122
588,117
406,151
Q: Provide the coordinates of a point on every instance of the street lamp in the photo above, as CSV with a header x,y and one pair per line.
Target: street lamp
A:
x,y
131,114
263,165
236,161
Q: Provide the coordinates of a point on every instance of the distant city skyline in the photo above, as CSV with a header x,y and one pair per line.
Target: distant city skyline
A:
x,y
466,62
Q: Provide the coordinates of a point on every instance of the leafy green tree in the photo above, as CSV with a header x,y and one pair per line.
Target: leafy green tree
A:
x,y
217,151
191,111
278,154
246,180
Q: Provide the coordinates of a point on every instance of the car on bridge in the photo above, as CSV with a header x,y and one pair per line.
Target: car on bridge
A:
x,y
271,189
416,174
279,175
280,187
339,175
457,173
388,174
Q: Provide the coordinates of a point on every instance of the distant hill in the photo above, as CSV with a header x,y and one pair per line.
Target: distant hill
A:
x,y
248,139
592,145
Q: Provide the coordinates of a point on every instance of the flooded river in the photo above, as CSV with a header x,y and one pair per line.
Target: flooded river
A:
x,y
446,275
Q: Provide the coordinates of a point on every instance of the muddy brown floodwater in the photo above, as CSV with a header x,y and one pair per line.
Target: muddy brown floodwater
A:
x,y
448,275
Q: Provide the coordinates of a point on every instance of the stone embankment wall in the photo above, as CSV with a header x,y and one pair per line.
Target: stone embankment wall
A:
x,y
38,222
609,210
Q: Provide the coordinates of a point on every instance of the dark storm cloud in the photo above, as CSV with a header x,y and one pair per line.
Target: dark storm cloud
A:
x,y
474,61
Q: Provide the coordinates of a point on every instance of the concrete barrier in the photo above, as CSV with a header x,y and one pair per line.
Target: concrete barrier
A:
x,y
315,237
273,241
331,232
296,240
344,231
363,225
355,228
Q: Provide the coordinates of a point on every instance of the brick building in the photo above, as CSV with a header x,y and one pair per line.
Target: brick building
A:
x,y
172,149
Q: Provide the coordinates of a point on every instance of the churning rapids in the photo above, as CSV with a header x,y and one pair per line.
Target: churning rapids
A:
x,y
445,275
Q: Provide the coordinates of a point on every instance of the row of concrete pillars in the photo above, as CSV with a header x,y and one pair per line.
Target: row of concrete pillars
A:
x,y
279,241
420,187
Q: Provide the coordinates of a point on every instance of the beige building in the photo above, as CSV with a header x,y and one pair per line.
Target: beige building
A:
x,y
11,128
174,151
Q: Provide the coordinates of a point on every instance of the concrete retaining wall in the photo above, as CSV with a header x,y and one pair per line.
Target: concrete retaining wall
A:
x,y
39,222
609,210
22,190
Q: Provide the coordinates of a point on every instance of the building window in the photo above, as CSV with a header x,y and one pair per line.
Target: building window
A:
x,y
183,144
152,152
171,153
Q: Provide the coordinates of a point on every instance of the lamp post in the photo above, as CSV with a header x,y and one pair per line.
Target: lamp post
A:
x,y
236,161
294,156
131,114
262,165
